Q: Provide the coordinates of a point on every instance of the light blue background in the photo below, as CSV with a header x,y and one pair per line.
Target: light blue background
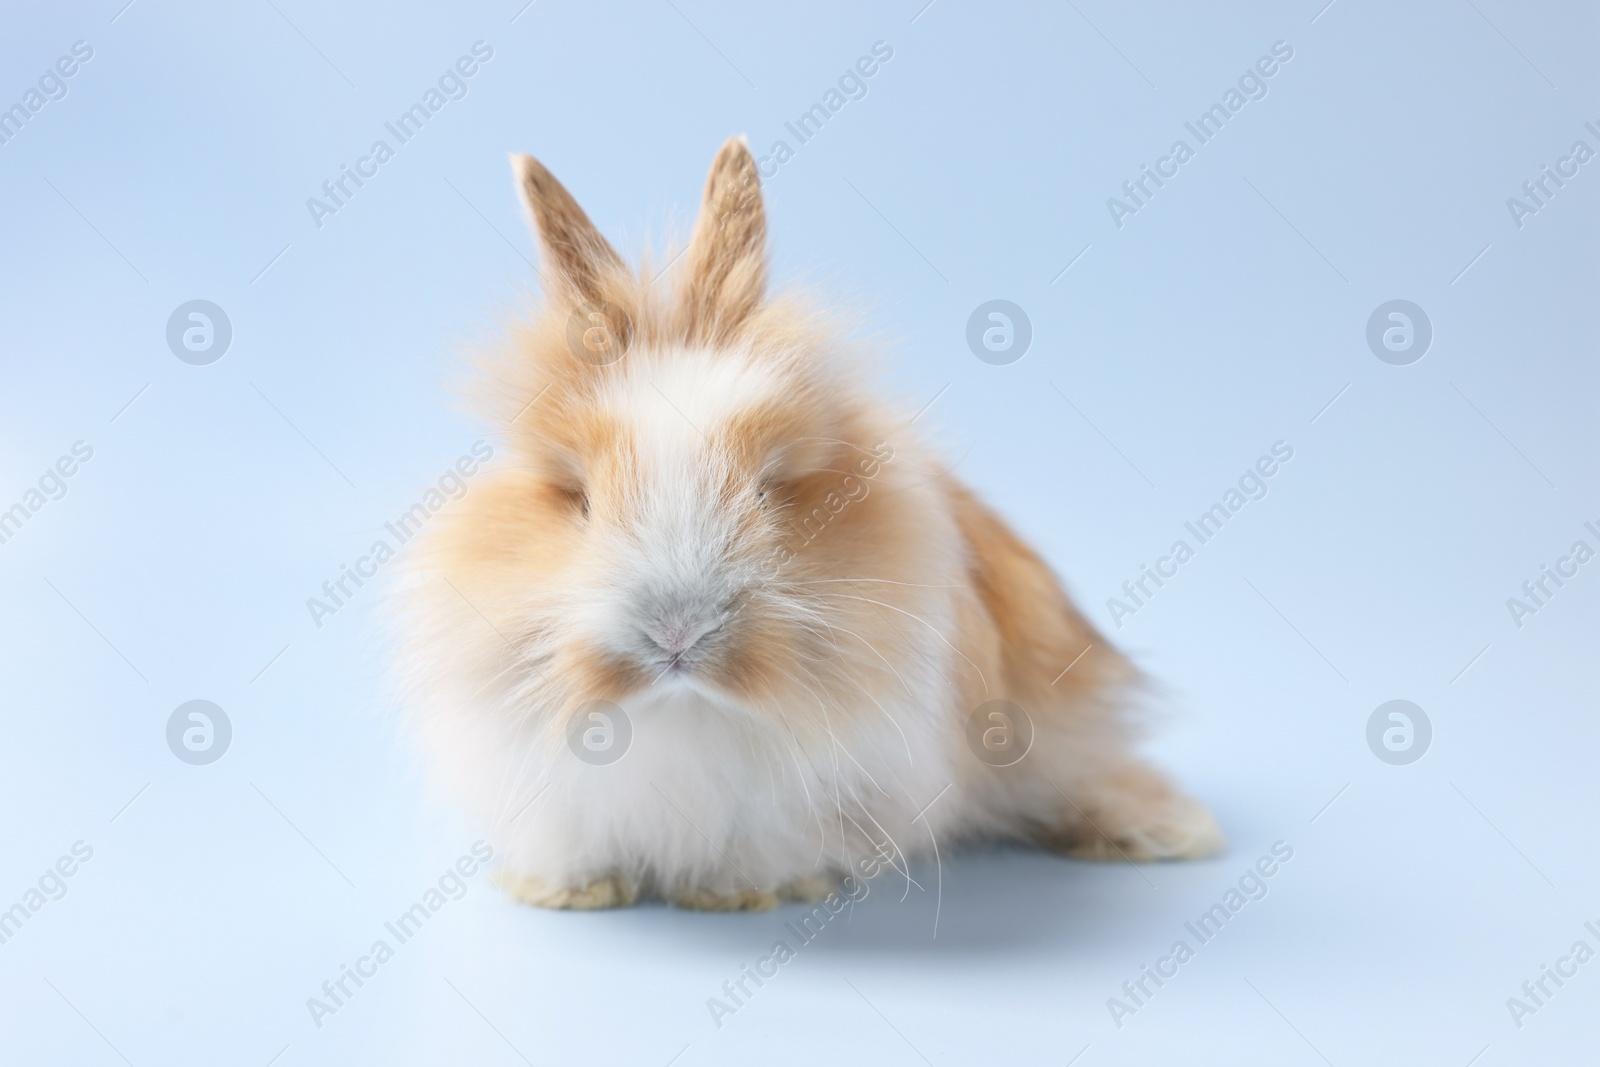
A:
x,y
1222,318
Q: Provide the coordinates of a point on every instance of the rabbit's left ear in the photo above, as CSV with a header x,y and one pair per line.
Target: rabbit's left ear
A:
x,y
725,271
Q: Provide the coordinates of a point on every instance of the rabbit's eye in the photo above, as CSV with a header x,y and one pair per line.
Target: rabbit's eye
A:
x,y
578,497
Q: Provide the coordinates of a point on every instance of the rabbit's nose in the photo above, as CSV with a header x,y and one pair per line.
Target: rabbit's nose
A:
x,y
677,636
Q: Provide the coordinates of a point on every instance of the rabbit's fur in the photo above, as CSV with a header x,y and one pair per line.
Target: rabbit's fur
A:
x,y
708,521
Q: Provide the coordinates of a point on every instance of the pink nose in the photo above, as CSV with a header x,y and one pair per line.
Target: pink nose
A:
x,y
675,638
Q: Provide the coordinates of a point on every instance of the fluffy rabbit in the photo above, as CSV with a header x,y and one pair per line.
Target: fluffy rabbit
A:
x,y
720,631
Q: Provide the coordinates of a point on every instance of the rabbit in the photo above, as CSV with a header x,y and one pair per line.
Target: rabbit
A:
x,y
720,631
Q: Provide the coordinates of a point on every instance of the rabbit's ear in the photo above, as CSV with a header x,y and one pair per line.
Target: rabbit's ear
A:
x,y
725,272
575,256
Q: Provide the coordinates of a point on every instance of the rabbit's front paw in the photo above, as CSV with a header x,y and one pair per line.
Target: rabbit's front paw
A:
x,y
739,900
808,890
612,891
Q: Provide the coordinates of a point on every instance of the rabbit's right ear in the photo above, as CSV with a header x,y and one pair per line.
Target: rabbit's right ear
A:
x,y
575,257
725,273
